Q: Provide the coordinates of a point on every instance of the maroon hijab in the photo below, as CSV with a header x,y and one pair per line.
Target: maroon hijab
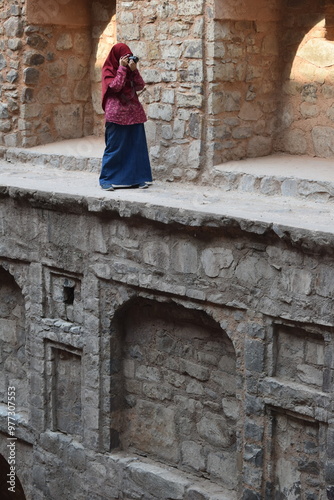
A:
x,y
109,71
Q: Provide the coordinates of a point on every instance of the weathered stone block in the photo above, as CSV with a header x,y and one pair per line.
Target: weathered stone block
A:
x,y
33,59
4,111
226,463
31,76
254,356
158,481
194,370
214,429
77,68
193,49
69,120
191,454
13,27
185,257
160,111
323,141
64,42
318,52
130,32
190,7
189,100
151,428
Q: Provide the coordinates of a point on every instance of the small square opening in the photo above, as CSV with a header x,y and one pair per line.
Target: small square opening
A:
x,y
68,292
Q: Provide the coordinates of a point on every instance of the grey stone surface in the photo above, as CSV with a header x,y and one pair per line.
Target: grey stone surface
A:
x,y
159,482
255,333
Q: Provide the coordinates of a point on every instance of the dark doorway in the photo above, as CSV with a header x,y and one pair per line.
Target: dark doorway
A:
x,y
5,492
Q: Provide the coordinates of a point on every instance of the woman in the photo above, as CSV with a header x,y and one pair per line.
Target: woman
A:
x,y
125,162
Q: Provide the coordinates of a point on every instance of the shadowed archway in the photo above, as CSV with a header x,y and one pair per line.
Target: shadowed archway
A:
x,y
9,490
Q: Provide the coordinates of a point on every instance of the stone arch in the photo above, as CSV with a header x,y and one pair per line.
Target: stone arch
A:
x,y
306,113
173,389
64,45
5,493
103,37
255,107
13,364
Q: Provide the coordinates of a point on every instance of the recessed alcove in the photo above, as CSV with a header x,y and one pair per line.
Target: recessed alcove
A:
x,y
174,389
13,361
16,493
272,79
66,45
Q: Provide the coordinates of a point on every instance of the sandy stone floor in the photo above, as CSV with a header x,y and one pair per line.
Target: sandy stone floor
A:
x,y
280,210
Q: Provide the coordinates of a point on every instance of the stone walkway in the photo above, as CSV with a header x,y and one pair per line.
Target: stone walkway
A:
x,y
292,196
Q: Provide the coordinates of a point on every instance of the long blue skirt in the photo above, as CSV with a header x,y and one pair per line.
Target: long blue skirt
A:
x,y
125,161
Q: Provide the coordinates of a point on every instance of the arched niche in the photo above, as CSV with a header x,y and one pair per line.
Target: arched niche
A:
x,y
13,360
66,42
306,114
6,474
173,389
103,38
271,79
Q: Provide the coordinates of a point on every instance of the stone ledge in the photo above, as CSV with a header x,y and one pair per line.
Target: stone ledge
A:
x,y
61,161
310,403
298,177
304,223
165,483
134,476
305,227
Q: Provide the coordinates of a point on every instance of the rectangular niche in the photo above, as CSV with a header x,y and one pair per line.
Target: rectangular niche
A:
x,y
299,356
64,376
296,461
63,296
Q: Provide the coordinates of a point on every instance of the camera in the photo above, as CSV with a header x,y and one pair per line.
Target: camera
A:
x,y
135,59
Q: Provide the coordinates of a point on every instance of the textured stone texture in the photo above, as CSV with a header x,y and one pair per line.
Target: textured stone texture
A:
x,y
53,60
13,341
140,360
307,130
231,81
164,349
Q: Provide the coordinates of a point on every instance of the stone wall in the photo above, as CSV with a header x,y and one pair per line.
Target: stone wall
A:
x,y
10,66
14,347
243,96
180,384
51,71
307,102
169,38
103,32
190,358
225,81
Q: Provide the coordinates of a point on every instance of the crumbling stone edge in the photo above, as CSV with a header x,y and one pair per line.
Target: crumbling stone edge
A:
x,y
308,240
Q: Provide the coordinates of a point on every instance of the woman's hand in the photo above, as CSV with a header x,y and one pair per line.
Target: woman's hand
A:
x,y
132,65
124,61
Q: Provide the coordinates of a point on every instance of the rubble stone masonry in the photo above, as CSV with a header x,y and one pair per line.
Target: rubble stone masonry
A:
x,y
172,355
225,81
160,349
